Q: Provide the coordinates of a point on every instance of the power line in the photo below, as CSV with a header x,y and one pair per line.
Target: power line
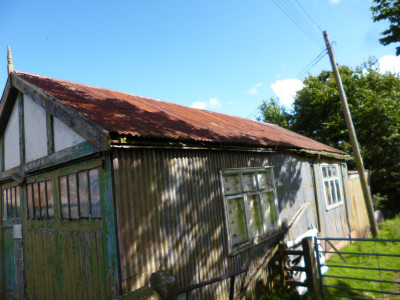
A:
x,y
312,20
311,64
299,20
300,17
300,74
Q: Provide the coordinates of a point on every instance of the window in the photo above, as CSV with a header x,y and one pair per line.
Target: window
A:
x,y
40,200
250,204
12,203
332,189
80,195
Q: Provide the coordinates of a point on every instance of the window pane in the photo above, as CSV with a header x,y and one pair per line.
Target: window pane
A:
x,y
36,202
237,221
94,193
13,203
232,184
324,172
333,171
9,204
249,182
328,193
333,191
64,197
50,199
73,196
268,209
264,180
339,196
30,202
5,204
43,204
83,194
255,218
18,201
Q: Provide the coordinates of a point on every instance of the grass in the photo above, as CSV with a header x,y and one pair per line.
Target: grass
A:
x,y
389,229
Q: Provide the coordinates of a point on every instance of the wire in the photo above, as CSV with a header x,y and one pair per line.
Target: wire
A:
x,y
312,64
299,75
312,20
299,20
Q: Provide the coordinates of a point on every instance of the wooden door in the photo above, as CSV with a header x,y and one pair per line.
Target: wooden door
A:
x,y
12,251
64,248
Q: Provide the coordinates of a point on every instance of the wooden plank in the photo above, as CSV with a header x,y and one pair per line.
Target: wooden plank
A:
x,y
91,131
20,102
109,262
72,153
50,133
311,268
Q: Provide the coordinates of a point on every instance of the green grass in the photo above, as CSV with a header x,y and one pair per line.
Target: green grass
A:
x,y
389,229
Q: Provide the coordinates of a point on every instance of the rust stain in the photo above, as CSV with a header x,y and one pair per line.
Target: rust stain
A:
x,y
141,117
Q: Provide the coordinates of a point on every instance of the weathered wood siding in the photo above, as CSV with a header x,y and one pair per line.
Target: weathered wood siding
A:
x,y
170,212
359,221
64,265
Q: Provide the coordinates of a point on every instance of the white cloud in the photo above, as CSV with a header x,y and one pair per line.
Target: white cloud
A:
x,y
253,90
389,63
286,90
201,105
334,1
212,103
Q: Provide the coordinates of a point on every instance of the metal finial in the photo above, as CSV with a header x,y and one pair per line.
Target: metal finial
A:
x,y
10,67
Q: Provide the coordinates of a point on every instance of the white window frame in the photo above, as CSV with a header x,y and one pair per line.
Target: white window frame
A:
x,y
332,186
255,239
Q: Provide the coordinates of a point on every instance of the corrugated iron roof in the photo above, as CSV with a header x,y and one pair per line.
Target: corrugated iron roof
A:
x,y
141,117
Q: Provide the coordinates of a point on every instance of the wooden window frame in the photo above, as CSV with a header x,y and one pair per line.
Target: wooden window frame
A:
x,y
252,240
13,191
76,174
37,179
333,193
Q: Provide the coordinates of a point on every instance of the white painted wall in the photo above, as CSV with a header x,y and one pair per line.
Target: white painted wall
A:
x,y
35,130
11,140
65,137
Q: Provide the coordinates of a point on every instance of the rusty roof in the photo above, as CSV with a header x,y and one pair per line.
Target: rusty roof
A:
x,y
141,117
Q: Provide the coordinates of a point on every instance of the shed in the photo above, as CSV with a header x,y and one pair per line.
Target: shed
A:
x,y
101,188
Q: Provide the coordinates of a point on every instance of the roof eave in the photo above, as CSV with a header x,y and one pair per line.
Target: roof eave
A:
x,y
196,145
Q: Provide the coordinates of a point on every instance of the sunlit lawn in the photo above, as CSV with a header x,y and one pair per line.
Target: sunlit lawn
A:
x,y
390,229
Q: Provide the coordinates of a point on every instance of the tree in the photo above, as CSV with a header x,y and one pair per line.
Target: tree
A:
x,y
273,112
374,101
388,10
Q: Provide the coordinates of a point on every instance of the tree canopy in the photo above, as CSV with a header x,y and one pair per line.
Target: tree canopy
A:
x,y
374,101
388,10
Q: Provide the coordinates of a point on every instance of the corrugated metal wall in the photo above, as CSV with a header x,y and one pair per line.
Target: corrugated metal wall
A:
x,y
171,215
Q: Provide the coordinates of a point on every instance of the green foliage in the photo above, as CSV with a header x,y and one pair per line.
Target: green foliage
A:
x,y
379,201
374,102
275,113
278,292
388,10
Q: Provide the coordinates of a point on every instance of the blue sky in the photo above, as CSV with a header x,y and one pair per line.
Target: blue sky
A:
x,y
220,55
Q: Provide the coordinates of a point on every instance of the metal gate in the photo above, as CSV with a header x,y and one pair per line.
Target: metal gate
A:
x,y
369,263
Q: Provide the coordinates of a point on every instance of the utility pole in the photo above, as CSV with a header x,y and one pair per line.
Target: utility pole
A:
x,y
353,139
